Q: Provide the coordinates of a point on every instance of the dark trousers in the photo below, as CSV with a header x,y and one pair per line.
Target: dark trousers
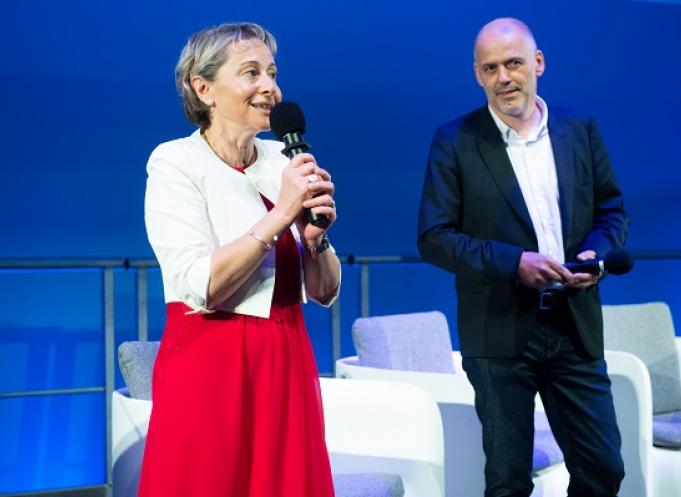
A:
x,y
575,390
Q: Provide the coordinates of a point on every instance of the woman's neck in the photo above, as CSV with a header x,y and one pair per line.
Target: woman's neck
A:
x,y
234,149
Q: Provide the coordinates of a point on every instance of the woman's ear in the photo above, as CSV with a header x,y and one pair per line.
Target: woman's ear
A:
x,y
203,90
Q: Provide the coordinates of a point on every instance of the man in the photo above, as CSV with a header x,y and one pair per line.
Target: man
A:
x,y
513,191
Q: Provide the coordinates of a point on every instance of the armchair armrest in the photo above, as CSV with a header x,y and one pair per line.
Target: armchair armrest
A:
x,y
633,398
130,422
443,387
385,427
461,428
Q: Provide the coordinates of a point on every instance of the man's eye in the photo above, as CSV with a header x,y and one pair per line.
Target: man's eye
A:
x,y
488,69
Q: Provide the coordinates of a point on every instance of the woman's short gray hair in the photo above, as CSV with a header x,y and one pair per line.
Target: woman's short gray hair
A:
x,y
204,54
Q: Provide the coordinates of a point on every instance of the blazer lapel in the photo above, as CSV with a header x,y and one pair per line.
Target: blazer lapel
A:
x,y
564,156
493,152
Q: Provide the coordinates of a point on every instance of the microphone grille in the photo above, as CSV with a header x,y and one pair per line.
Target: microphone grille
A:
x,y
287,117
618,262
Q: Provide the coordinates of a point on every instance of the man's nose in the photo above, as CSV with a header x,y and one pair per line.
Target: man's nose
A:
x,y
503,75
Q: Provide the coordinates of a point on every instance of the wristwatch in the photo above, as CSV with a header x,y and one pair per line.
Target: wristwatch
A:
x,y
323,245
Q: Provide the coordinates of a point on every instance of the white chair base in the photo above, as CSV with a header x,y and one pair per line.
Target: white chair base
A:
x,y
370,427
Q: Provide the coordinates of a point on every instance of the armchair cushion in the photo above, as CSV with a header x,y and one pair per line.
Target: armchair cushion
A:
x,y
407,342
368,485
667,430
546,450
136,361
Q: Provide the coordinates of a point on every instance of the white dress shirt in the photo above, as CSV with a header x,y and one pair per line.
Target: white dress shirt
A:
x,y
535,169
195,203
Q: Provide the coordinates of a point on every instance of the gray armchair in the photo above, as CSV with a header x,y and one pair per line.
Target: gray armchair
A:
x,y
643,352
416,348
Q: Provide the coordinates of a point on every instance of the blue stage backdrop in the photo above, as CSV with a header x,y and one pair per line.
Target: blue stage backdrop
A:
x,y
88,93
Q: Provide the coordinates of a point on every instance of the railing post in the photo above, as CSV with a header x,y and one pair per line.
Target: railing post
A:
x,y
108,366
142,311
335,332
364,289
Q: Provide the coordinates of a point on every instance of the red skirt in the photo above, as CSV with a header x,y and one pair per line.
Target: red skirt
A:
x,y
236,409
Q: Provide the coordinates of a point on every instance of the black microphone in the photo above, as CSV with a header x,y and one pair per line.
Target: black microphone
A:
x,y
288,124
615,262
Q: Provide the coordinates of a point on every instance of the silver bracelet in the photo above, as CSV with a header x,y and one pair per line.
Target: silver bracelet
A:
x,y
268,246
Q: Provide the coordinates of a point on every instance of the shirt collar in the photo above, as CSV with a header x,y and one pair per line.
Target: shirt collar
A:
x,y
509,134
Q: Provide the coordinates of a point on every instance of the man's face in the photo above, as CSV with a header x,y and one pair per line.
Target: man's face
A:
x,y
507,65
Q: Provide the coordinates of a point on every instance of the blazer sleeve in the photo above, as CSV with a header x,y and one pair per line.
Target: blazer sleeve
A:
x,y
178,228
611,221
440,238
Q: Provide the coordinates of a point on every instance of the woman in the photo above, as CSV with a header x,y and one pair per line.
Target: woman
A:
x,y
236,401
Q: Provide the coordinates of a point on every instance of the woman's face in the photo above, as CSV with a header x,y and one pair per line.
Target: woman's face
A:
x,y
245,88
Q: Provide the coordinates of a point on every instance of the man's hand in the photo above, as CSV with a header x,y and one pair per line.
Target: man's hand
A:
x,y
584,280
540,271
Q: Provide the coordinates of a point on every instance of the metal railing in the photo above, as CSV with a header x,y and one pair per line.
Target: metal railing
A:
x,y
142,266
107,266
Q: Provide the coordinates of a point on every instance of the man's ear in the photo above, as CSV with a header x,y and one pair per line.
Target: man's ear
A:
x,y
476,71
541,65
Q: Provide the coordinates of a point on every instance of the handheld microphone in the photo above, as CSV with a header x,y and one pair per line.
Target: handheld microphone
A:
x,y
614,262
288,124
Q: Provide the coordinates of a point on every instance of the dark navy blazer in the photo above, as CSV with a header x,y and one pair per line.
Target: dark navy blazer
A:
x,y
474,222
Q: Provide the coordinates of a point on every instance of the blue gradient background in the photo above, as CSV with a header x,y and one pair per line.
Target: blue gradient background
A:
x,y
88,92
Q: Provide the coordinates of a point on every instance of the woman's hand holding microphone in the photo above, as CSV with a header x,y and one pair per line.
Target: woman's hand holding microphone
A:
x,y
305,185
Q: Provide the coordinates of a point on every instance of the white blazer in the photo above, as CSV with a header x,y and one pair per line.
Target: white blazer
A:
x,y
194,203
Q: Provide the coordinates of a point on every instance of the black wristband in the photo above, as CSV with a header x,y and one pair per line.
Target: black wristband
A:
x,y
323,245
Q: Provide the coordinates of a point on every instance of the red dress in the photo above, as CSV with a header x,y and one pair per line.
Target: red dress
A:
x,y
237,407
